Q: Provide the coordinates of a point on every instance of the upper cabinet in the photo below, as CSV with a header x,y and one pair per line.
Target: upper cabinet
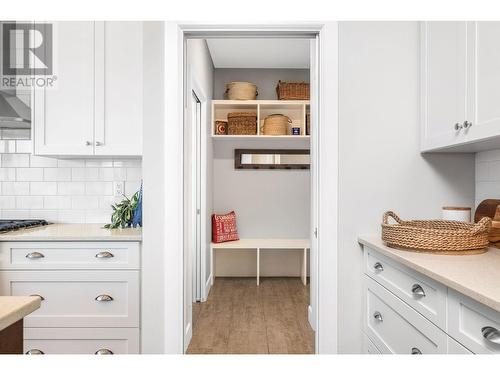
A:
x,y
460,86
96,107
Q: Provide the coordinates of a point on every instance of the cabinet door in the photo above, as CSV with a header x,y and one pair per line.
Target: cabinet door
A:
x,y
484,63
119,57
63,116
443,83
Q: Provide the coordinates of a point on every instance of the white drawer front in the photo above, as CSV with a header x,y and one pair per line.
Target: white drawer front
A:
x,y
368,346
81,340
468,323
70,297
69,255
429,300
456,348
395,327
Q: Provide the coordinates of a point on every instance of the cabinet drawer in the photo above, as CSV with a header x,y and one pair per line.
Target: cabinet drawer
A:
x,y
368,346
69,255
77,298
420,292
474,325
457,348
81,340
394,327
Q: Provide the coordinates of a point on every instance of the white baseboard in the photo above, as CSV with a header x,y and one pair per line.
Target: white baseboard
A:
x,y
208,285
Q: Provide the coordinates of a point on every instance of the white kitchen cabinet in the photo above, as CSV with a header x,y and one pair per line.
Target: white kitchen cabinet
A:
x,y
460,86
96,107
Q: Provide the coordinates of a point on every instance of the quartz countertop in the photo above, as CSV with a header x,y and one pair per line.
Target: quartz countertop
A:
x,y
15,308
72,232
475,276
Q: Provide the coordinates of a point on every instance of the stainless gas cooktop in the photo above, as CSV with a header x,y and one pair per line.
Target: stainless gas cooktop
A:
x,y
8,225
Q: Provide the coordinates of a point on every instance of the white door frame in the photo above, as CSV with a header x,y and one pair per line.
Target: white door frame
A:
x,y
327,148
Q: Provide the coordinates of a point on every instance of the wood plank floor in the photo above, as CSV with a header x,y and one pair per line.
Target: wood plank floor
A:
x,y
240,317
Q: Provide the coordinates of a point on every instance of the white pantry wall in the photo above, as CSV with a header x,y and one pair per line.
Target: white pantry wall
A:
x,y
64,190
380,166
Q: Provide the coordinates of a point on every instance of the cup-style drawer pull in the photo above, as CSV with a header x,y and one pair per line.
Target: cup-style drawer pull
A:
x,y
37,295
35,255
415,351
34,352
378,316
417,290
103,352
104,254
104,298
491,334
378,266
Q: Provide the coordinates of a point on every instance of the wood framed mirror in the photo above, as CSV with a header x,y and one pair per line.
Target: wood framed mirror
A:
x,y
271,159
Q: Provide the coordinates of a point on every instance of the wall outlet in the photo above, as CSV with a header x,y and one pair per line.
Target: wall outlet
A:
x,y
119,188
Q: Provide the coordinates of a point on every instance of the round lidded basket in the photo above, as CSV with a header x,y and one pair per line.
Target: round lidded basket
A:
x,y
436,236
242,123
241,91
276,124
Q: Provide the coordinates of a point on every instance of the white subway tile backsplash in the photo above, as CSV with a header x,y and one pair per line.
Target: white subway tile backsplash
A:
x,y
24,146
63,190
29,174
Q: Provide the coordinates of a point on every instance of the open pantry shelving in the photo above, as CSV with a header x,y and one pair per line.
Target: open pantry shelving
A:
x,y
296,110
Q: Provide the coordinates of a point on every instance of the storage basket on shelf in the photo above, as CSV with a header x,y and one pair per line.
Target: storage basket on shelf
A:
x,y
242,123
293,90
241,91
436,236
276,124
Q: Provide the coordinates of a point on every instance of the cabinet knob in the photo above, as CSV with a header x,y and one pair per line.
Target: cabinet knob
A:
x,y
378,316
35,255
491,334
97,143
378,266
458,126
104,254
103,352
415,351
88,143
467,124
37,295
34,352
104,298
417,290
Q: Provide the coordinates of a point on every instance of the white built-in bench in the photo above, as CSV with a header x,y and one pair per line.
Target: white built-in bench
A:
x,y
265,244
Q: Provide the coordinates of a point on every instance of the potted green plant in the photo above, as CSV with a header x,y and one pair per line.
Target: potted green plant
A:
x,y
123,212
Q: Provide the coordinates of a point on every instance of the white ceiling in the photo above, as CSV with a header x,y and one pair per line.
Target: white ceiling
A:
x,y
260,53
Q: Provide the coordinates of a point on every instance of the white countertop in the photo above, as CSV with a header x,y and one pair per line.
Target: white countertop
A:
x,y
476,276
73,232
15,308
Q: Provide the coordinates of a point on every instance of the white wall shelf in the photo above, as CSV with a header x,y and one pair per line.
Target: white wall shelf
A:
x,y
295,109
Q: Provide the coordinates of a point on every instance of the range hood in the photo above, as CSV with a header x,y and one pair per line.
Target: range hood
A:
x,y
14,114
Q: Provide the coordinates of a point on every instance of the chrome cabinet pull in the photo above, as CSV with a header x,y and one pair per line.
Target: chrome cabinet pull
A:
x,y
378,266
415,351
104,254
491,334
88,143
458,126
378,316
97,143
104,298
467,124
37,295
103,352
35,255
34,352
417,290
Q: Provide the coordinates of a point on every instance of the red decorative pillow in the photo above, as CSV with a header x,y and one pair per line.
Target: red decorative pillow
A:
x,y
224,228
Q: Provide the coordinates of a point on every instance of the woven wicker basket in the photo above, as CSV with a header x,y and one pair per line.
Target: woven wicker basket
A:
x,y
275,125
293,90
241,91
436,236
242,123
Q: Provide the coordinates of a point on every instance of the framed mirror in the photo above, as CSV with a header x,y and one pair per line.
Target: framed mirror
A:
x,y
271,159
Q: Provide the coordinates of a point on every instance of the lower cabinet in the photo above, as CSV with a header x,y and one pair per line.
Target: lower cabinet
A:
x,y
81,341
400,318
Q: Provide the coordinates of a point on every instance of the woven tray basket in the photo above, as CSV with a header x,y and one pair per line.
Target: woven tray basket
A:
x,y
242,123
293,90
436,236
275,125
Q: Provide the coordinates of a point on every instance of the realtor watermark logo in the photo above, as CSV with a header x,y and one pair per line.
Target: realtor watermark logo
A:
x,y
27,56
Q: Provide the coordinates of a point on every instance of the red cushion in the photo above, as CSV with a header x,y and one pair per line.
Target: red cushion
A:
x,y
224,228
